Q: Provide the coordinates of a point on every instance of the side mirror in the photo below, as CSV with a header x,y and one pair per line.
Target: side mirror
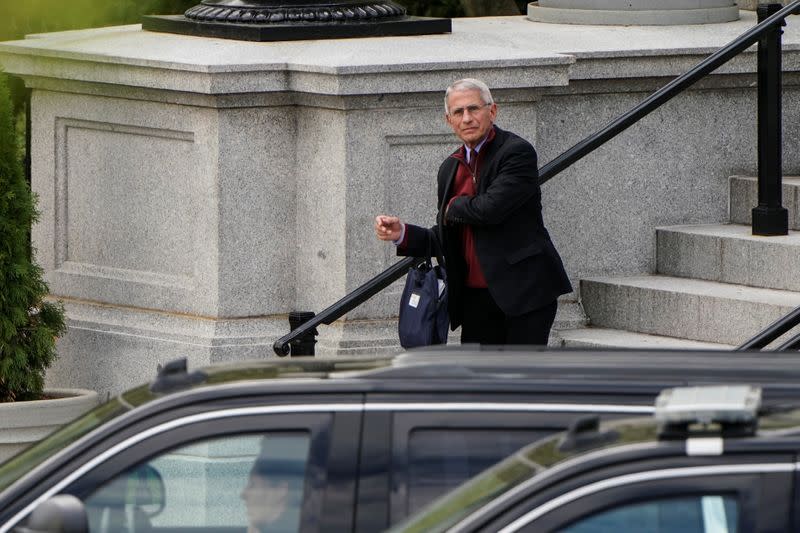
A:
x,y
62,513
142,488
149,489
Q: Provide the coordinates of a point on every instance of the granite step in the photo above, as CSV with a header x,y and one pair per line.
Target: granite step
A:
x,y
693,309
744,197
592,337
731,254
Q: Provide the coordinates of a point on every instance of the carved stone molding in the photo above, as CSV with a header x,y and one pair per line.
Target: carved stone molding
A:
x,y
291,20
279,13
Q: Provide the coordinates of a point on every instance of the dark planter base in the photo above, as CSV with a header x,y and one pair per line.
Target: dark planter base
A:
x,y
296,31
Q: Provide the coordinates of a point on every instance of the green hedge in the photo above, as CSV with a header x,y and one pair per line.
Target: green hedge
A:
x,y
28,324
21,17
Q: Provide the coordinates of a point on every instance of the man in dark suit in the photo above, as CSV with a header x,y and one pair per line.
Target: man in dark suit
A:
x,y
504,273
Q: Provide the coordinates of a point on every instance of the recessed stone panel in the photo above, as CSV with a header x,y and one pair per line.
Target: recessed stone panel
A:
x,y
120,211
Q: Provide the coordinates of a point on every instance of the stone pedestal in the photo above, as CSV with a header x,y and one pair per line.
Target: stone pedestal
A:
x,y
25,423
627,12
195,191
752,5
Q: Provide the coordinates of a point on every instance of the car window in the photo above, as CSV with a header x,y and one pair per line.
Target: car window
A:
x,y
236,483
441,459
693,514
21,464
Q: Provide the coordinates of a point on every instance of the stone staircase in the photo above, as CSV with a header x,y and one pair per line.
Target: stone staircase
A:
x,y
715,286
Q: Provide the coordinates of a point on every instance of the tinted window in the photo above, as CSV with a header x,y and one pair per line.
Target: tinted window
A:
x,y
221,484
441,459
698,514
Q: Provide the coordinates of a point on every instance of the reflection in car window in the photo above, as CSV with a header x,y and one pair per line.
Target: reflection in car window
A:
x,y
21,464
248,483
431,473
698,514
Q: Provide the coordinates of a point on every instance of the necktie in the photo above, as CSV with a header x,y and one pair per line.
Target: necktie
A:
x,y
473,160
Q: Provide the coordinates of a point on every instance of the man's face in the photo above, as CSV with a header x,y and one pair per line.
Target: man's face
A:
x,y
469,116
265,501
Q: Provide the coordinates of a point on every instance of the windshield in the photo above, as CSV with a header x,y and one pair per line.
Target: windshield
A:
x,y
25,461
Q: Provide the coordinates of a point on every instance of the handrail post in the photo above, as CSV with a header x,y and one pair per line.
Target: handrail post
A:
x,y
303,344
304,323
770,217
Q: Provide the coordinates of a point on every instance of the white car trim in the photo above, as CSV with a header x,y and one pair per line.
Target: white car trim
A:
x,y
639,477
704,446
550,407
313,408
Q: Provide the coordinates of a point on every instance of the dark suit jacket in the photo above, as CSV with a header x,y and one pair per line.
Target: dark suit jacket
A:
x,y
522,267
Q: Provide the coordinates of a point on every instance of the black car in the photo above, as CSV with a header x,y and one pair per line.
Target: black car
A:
x,y
711,460
332,445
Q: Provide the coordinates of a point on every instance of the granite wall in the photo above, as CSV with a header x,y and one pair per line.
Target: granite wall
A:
x,y
194,191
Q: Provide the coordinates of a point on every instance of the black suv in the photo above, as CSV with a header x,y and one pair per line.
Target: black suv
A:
x,y
711,460
332,445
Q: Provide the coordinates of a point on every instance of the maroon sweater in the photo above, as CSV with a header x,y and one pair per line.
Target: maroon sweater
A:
x,y
467,185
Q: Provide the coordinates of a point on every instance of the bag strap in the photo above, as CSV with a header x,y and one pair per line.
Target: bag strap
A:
x,y
439,258
428,255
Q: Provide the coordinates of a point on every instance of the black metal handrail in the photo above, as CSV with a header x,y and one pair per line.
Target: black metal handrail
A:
x,y
770,21
792,344
666,93
348,303
772,332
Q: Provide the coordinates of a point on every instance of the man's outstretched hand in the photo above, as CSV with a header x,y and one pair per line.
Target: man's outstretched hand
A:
x,y
388,228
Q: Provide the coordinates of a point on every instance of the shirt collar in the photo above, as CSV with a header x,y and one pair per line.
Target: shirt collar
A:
x,y
489,136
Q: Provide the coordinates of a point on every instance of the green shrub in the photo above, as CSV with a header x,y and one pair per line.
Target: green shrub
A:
x,y
29,325
40,16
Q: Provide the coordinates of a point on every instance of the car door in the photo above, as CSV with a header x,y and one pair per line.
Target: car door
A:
x,y
745,494
419,446
244,467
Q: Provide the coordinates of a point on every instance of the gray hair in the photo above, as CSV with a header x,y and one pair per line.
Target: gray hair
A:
x,y
468,84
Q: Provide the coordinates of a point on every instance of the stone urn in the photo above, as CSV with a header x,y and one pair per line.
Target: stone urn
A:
x,y
634,12
24,423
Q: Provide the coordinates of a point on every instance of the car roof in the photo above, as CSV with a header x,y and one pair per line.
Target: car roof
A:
x,y
602,370
614,376
460,362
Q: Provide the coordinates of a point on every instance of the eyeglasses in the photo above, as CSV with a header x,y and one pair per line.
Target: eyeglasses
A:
x,y
472,109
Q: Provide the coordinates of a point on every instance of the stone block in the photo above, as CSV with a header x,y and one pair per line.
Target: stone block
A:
x,y
633,12
744,197
118,225
752,5
255,203
729,253
111,349
615,338
685,308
